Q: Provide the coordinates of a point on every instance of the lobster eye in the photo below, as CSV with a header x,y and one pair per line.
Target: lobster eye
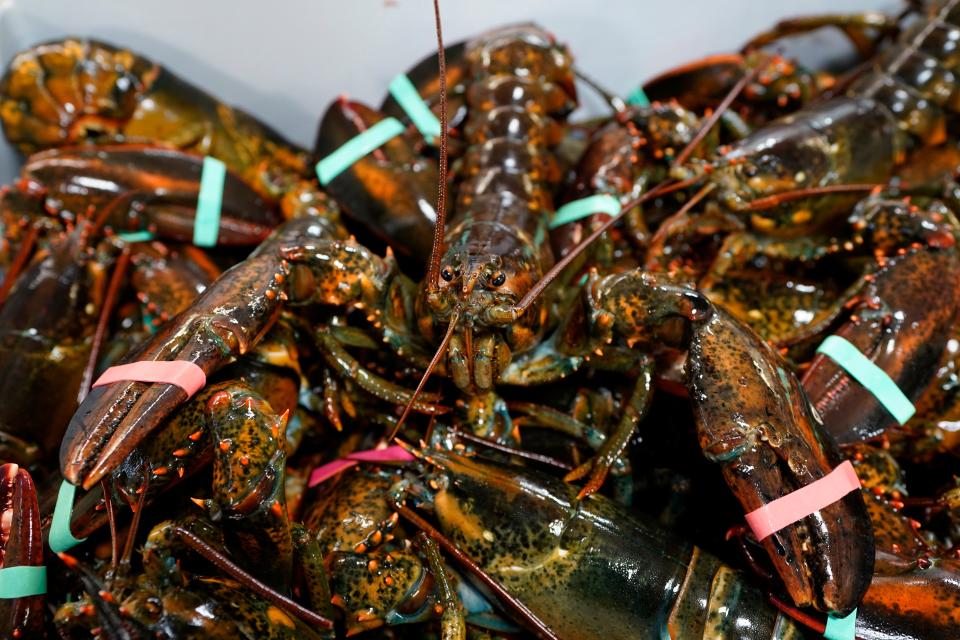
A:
x,y
446,274
498,278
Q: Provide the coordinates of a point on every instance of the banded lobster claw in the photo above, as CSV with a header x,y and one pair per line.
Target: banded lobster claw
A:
x,y
754,419
907,316
163,182
392,191
223,323
21,545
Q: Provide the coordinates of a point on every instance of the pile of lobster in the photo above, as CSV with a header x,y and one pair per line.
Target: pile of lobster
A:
x,y
630,333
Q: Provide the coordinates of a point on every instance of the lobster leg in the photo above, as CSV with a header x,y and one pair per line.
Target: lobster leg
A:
x,y
614,445
20,546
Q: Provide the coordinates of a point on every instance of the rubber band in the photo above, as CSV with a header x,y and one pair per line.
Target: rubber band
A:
x,y
396,453
131,237
577,209
841,628
206,226
872,377
799,504
356,148
638,98
61,538
22,582
181,373
416,109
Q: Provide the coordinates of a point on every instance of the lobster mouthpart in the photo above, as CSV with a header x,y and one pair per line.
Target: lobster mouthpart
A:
x,y
21,545
903,330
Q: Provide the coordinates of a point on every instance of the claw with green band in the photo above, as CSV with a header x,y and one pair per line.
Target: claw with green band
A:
x,y
872,377
22,582
638,98
61,538
206,226
356,148
416,109
584,207
841,628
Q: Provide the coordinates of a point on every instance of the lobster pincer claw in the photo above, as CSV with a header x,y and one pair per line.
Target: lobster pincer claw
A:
x,y
754,420
21,545
162,183
903,327
223,323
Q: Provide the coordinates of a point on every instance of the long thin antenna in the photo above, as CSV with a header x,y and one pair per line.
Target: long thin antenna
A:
x,y
715,116
768,202
433,267
426,374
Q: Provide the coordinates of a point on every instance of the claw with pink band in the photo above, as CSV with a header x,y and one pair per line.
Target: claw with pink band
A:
x,y
181,373
799,504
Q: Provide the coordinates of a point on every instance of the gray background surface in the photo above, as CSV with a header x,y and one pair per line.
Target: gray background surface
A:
x,y
285,60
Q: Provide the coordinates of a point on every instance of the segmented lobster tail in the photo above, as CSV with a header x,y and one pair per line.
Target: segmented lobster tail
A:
x,y
916,79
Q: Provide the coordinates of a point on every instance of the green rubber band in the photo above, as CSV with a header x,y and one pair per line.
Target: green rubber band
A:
x,y
357,147
61,537
135,236
416,109
841,628
638,98
206,226
21,582
600,203
872,377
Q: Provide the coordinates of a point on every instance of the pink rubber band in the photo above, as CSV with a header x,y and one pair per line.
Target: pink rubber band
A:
x,y
395,453
185,375
799,504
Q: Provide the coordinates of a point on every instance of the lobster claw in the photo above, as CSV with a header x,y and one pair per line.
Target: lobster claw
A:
x,y
754,419
905,336
164,181
392,192
21,545
223,323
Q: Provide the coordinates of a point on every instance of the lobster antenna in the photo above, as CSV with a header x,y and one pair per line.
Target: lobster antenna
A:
x,y
225,564
717,113
426,374
768,202
433,267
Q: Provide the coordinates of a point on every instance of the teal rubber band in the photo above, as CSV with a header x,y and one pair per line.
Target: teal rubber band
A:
x,y
600,203
413,105
135,236
357,147
61,538
638,98
206,226
841,628
20,582
872,377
